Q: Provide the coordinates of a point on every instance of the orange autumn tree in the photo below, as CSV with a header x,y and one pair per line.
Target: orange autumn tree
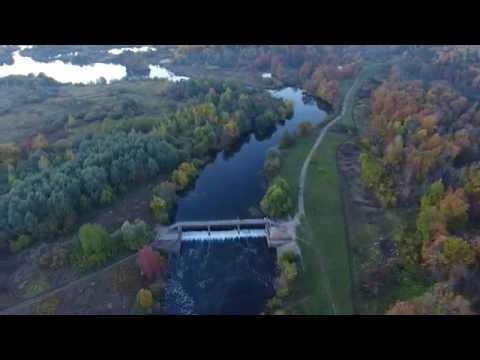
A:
x,y
151,262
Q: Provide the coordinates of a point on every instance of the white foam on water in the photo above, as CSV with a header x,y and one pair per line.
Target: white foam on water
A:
x,y
267,75
223,235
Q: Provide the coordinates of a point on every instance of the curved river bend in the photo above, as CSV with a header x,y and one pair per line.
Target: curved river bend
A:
x,y
234,276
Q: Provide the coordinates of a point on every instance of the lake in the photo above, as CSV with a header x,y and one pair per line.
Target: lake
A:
x,y
80,74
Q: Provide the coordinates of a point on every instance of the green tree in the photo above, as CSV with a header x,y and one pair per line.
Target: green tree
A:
x,y
456,251
182,176
272,164
277,201
94,246
160,209
166,191
371,171
22,242
134,235
106,196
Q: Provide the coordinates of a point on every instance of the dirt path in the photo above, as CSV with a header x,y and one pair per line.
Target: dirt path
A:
x,y
15,308
301,183
306,163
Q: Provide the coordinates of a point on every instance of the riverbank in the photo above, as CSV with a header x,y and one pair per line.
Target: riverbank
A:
x,y
322,232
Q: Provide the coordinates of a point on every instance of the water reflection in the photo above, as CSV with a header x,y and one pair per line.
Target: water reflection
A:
x,y
78,74
63,72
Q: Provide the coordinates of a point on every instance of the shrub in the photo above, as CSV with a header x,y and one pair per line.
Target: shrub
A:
x,y
94,247
278,199
47,306
22,242
272,164
144,299
135,235
457,251
166,191
151,262
282,292
160,209
106,196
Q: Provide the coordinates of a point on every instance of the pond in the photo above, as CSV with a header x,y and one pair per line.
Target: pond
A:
x,y
80,74
231,276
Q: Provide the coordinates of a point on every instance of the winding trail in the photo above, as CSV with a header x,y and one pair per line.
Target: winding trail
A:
x,y
301,189
306,163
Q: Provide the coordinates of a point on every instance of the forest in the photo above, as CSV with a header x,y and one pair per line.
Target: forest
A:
x,y
420,151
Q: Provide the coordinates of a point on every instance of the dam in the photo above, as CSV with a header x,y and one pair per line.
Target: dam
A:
x,y
170,239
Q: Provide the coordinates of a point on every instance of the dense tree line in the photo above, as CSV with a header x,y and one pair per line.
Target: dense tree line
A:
x,y
318,69
421,151
53,186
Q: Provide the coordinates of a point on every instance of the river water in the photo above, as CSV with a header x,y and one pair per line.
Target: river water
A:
x,y
230,276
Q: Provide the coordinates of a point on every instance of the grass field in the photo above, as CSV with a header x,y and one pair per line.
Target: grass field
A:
x,y
322,238
292,161
323,243
325,282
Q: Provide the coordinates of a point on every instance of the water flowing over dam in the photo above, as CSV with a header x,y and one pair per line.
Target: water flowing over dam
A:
x,y
170,239
223,235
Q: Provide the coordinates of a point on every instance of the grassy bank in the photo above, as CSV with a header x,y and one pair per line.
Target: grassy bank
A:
x,y
326,280
323,238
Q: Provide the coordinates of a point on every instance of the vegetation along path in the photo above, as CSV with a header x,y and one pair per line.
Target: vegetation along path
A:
x,y
301,214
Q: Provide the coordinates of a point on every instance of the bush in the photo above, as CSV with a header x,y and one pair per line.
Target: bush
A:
x,y
289,270
144,300
289,256
277,201
272,164
160,209
47,306
282,292
135,235
22,242
166,191
94,247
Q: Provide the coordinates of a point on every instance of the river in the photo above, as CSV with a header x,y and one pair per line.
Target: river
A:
x,y
233,276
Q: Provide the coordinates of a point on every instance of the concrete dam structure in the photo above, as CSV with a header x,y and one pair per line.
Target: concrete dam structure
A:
x,y
169,239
